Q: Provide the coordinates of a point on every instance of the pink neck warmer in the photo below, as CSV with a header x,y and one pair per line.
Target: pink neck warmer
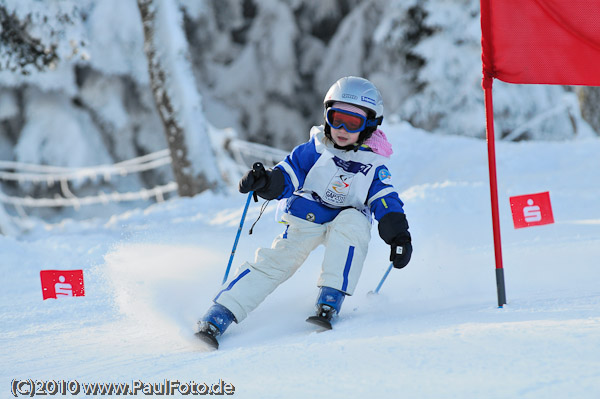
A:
x,y
379,144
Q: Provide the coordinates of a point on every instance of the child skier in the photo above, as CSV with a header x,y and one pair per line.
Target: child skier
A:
x,y
333,185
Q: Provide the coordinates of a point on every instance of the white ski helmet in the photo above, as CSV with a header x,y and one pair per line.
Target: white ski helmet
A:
x,y
357,91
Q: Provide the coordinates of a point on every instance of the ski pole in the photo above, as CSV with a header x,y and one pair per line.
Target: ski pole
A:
x,y
383,278
237,237
257,170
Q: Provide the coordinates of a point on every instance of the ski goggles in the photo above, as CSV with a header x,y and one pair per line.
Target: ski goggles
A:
x,y
351,121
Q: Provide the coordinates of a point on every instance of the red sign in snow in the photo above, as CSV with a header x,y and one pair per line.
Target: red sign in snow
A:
x,y
531,210
62,283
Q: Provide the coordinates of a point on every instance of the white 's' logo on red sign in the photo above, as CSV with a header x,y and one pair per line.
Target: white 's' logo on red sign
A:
x,y
62,283
531,210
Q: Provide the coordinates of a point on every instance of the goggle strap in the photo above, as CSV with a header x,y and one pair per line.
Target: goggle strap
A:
x,y
374,122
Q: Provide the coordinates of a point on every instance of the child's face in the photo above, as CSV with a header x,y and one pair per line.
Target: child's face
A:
x,y
342,138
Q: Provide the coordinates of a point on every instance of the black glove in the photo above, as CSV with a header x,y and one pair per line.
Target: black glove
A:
x,y
254,180
393,229
268,184
401,253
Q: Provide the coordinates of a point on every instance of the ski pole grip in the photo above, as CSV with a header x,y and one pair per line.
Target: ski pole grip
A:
x,y
258,170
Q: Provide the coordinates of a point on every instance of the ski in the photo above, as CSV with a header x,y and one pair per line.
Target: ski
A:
x,y
321,322
208,339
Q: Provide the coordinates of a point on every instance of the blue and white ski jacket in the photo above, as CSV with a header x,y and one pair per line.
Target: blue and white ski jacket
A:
x,y
321,181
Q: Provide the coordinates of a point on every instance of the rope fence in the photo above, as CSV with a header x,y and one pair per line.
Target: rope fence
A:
x,y
243,153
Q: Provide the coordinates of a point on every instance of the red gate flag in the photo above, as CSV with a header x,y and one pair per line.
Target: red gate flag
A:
x,y
531,210
534,42
62,283
541,41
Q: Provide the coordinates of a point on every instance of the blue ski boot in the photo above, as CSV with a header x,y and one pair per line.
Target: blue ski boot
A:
x,y
328,305
214,323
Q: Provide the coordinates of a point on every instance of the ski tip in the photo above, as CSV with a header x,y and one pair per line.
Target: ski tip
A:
x,y
321,322
210,341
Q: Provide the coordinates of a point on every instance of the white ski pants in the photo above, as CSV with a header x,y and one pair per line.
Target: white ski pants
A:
x,y
346,239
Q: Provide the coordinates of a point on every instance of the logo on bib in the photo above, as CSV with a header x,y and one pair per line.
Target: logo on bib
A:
x,y
339,187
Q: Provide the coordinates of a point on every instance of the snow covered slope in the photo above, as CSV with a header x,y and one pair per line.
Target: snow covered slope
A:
x,y
434,331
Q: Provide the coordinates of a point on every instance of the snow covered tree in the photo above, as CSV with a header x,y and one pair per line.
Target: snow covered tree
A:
x,y
449,99
375,40
85,104
176,97
589,98
34,36
246,53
